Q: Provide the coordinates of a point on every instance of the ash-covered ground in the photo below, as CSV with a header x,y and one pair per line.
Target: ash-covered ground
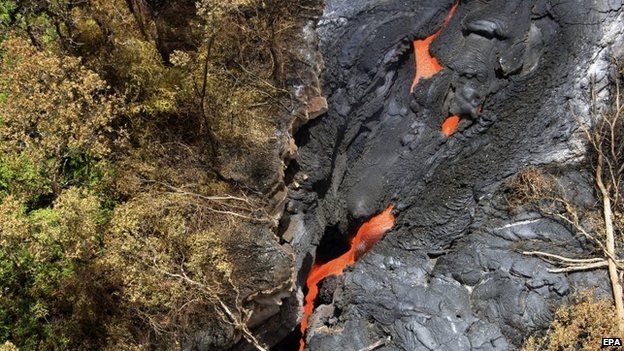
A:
x,y
450,275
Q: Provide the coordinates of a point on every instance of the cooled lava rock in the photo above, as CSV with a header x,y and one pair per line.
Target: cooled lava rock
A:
x,y
450,275
326,289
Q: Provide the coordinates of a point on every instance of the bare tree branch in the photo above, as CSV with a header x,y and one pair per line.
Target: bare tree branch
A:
x,y
561,258
376,345
606,152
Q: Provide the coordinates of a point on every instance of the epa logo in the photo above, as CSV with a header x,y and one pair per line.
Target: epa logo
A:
x,y
611,342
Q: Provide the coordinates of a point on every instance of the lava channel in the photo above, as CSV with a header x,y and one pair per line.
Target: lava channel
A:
x,y
365,238
427,66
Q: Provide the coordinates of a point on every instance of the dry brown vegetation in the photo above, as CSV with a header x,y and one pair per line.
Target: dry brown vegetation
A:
x,y
578,327
600,223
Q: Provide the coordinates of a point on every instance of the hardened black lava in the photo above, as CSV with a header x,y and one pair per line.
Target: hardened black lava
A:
x,y
450,274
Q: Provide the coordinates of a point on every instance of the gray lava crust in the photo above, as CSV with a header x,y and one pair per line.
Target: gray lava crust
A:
x,y
451,274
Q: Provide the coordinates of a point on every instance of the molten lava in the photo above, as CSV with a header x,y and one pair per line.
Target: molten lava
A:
x,y
365,238
427,65
450,125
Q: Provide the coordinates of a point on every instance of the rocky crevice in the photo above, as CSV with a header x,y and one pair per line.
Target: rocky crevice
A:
x,y
275,311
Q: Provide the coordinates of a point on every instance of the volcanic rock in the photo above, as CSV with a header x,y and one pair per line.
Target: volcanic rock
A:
x,y
450,275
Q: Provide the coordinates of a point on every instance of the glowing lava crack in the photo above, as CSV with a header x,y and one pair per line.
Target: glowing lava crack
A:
x,y
450,125
365,238
427,66
373,230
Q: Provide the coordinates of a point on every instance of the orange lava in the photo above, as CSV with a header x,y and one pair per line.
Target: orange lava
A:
x,y
365,238
427,65
450,125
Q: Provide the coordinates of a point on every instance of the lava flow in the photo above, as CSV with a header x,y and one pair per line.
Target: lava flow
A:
x,y
365,238
427,65
450,125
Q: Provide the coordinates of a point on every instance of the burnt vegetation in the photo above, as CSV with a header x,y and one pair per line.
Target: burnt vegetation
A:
x,y
135,142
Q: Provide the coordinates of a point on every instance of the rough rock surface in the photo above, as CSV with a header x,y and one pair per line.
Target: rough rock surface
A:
x,y
450,274
275,310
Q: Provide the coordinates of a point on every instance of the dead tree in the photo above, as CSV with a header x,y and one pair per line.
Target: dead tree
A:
x,y
605,139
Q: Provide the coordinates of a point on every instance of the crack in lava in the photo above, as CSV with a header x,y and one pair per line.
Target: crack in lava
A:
x,y
427,66
366,237
374,229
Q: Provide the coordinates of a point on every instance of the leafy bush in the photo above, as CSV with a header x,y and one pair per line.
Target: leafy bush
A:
x,y
41,252
55,122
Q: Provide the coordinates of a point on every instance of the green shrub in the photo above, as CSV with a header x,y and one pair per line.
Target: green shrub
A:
x,y
40,254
